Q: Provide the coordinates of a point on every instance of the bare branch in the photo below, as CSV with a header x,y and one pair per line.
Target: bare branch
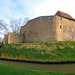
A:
x,y
3,26
16,24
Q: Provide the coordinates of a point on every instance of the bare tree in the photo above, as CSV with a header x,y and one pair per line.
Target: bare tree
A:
x,y
25,20
3,27
16,24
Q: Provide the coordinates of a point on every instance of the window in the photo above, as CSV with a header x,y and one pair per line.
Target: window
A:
x,y
60,27
61,18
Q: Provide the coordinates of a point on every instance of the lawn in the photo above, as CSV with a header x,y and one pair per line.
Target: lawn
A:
x,y
10,70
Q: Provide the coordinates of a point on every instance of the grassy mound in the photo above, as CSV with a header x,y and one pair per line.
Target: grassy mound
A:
x,y
10,70
47,51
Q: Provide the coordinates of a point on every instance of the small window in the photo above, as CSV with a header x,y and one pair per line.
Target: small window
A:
x,y
69,20
60,27
61,18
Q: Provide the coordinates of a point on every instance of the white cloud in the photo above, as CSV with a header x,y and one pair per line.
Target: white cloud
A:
x,y
8,10
34,8
48,7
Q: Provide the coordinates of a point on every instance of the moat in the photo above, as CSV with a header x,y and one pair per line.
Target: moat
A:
x,y
45,67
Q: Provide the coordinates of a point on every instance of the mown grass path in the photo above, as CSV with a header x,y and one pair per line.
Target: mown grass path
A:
x,y
10,70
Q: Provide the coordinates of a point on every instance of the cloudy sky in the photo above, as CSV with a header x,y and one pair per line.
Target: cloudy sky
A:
x,y
10,9
13,9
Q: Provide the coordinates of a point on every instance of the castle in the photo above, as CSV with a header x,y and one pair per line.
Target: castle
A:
x,y
59,27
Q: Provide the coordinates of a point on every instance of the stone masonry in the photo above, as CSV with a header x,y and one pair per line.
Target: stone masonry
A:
x,y
59,27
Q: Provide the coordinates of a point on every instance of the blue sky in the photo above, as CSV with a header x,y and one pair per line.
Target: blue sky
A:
x,y
18,8
13,9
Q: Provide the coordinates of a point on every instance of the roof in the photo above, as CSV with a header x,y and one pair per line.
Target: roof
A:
x,y
65,15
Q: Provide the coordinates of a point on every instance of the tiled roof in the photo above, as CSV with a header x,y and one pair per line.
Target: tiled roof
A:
x,y
65,15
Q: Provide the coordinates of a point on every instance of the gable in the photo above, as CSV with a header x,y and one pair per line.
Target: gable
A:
x,y
65,15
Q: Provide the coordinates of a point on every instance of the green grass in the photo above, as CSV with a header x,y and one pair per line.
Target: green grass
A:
x,y
46,51
10,70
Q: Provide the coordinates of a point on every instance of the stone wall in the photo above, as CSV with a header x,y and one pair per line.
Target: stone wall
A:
x,y
5,41
41,29
15,38
49,28
58,28
44,29
68,29
65,29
